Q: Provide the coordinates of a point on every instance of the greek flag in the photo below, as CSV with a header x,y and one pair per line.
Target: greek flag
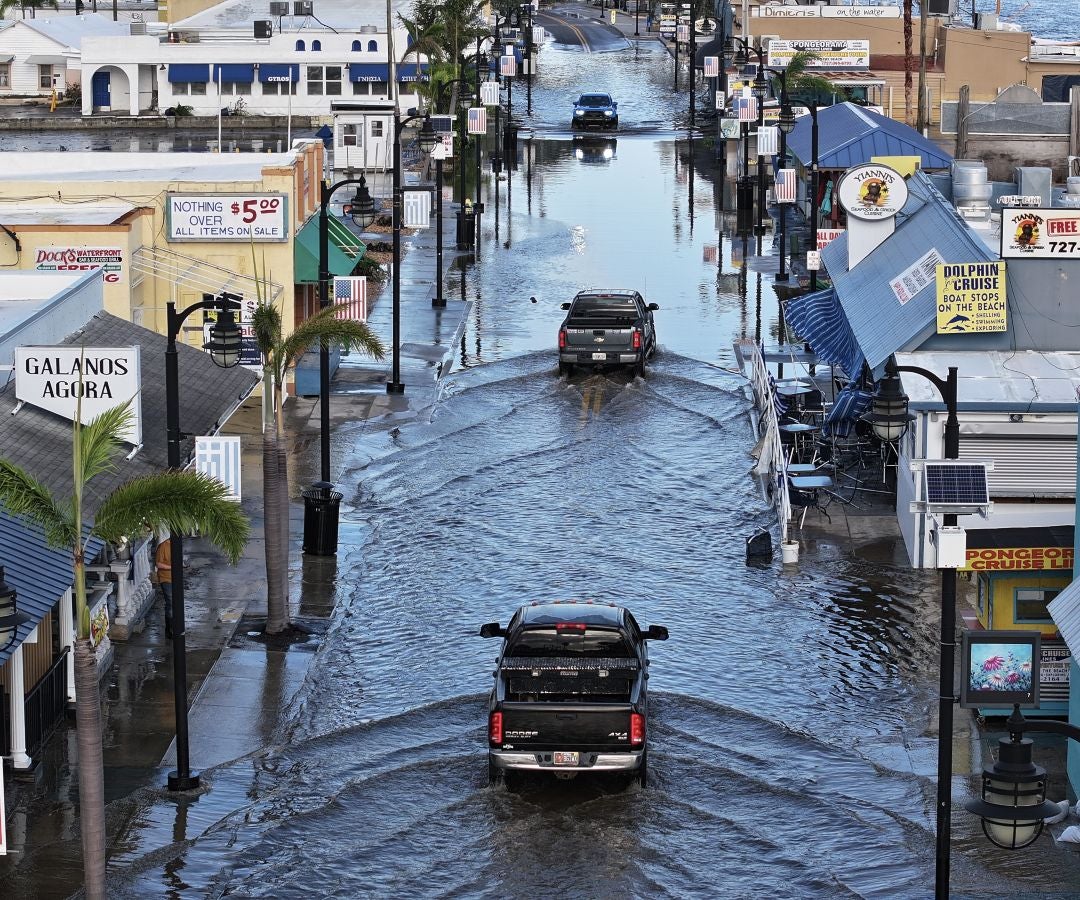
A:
x,y
417,209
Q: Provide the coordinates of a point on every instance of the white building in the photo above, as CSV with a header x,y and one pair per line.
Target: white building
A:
x,y
40,55
238,56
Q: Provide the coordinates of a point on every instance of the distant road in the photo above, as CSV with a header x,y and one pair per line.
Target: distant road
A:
x,y
574,29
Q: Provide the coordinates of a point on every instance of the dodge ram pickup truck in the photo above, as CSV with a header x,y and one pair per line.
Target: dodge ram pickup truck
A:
x,y
570,691
607,328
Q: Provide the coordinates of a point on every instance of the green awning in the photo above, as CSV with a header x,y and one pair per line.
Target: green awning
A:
x,y
347,242
306,255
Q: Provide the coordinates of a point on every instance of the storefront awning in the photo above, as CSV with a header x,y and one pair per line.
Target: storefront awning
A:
x,y
306,255
279,72
195,274
412,72
369,72
46,59
182,73
241,73
819,319
39,573
1064,609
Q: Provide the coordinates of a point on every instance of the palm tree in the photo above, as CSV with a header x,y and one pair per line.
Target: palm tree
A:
x,y
800,79
182,502
279,354
909,60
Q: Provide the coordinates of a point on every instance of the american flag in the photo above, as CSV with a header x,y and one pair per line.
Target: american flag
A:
x,y
784,187
477,120
712,66
747,108
352,291
508,66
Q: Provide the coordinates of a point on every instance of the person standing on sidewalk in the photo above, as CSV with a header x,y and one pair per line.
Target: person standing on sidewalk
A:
x,y
163,568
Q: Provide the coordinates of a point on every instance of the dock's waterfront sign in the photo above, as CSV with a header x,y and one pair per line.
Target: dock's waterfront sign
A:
x,y
215,218
81,259
1028,233
53,378
971,297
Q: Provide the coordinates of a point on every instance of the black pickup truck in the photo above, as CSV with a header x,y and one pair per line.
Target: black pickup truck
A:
x,y
570,691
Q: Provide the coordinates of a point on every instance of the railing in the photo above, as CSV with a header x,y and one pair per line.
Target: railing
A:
x,y
5,724
771,462
45,704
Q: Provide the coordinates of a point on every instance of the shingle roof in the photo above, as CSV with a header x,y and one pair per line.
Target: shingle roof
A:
x,y
40,441
39,573
849,135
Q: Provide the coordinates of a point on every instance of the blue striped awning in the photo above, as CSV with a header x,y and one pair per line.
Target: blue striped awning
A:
x,y
242,73
279,72
850,405
182,73
819,319
369,72
39,573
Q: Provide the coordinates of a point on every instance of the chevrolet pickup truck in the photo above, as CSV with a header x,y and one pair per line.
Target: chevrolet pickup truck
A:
x,y
607,328
570,691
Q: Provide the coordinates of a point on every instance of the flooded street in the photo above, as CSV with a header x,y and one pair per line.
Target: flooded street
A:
x,y
792,743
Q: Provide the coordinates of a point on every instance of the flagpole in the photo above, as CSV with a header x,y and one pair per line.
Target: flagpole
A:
x,y
288,133
218,80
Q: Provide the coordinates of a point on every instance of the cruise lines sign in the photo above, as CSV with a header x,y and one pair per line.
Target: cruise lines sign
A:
x,y
221,218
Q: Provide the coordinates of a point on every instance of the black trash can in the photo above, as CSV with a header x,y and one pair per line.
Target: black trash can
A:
x,y
321,509
466,230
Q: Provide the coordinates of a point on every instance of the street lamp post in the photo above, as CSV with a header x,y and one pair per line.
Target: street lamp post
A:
x,y
363,214
427,141
745,192
439,300
785,124
693,62
889,418
224,347
761,89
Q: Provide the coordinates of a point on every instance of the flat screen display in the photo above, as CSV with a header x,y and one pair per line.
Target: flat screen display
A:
x,y
1000,669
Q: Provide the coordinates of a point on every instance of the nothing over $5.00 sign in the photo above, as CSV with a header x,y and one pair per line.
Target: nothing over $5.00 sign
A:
x,y
213,218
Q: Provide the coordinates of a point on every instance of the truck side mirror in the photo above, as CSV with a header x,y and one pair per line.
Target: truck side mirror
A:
x,y
654,306
656,633
492,629
564,306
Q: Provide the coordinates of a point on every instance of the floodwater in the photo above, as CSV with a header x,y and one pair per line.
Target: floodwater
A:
x,y
792,751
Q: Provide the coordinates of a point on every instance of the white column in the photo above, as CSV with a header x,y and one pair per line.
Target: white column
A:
x,y
17,717
134,92
87,92
67,640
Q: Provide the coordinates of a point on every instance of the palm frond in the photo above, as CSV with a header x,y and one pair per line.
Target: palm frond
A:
x,y
100,440
325,327
25,496
266,323
183,502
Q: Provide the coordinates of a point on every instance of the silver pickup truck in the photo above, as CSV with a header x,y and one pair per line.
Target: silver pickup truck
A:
x,y
607,328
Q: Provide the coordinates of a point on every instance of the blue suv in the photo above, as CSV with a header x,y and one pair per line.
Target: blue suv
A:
x,y
595,111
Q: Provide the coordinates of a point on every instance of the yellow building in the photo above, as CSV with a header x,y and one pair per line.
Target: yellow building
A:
x,y
173,226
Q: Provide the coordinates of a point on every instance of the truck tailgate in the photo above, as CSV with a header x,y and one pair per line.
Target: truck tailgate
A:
x,y
566,726
594,338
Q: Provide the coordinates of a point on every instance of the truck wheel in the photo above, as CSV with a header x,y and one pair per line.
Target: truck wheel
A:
x,y
495,774
639,366
566,369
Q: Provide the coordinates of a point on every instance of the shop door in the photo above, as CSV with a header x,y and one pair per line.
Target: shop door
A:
x,y
99,90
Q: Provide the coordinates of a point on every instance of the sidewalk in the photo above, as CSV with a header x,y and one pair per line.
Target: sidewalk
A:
x,y
239,687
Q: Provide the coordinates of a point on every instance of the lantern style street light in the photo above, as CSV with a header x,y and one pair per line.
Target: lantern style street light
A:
x,y
10,617
889,418
224,348
786,125
814,177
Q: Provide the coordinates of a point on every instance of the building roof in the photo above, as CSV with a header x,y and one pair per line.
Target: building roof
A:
x,y
39,573
345,14
1010,381
849,135
68,31
23,294
1064,609
93,165
40,441
881,323
16,214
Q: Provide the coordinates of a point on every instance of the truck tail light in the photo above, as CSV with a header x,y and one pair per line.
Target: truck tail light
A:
x,y
562,338
495,731
637,729
637,339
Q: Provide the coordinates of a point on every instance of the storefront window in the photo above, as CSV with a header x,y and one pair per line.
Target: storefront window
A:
x,y
236,88
324,80
45,76
281,88
189,88
5,75
349,135
1030,604
984,593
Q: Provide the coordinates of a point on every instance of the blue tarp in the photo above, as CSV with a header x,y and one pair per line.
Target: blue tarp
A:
x,y
819,319
279,72
181,73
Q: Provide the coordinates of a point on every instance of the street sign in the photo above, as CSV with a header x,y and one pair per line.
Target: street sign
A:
x,y
813,260
439,151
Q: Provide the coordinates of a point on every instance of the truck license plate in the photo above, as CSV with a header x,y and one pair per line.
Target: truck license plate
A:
x,y
565,757
599,356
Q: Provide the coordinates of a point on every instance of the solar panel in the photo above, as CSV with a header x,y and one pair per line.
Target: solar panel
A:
x,y
956,484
